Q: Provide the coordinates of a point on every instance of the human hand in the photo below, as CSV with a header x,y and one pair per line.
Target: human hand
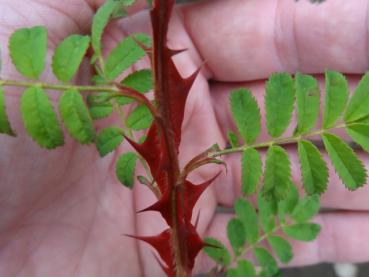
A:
x,y
63,209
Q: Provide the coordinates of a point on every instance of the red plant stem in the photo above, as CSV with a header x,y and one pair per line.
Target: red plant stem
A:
x,y
163,109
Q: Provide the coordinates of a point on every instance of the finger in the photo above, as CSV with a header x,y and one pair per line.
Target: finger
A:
x,y
248,40
343,238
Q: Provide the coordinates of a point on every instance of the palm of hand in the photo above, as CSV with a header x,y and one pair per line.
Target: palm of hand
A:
x,y
63,212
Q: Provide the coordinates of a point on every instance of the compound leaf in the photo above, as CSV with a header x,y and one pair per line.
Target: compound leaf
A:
x,y
99,105
68,56
5,127
279,100
247,214
27,48
277,177
236,235
76,116
314,169
308,96
360,134
302,231
251,170
288,205
108,140
266,214
246,114
282,248
125,168
40,119
349,168
217,251
125,54
244,268
336,94
359,103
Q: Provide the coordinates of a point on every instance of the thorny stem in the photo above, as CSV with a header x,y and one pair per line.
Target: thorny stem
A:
x,y
278,141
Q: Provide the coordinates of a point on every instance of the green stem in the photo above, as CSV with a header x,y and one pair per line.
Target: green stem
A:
x,y
59,87
278,141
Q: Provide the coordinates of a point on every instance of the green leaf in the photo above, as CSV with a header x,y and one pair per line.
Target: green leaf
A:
x,y
76,116
246,113
306,208
360,134
279,100
244,269
266,214
288,205
218,253
359,103
141,81
27,48
108,140
349,168
308,97
314,169
302,231
140,118
336,94
40,119
251,170
266,261
277,177
5,127
233,139
68,56
124,55
236,235
100,105
125,168
99,22
282,248
247,214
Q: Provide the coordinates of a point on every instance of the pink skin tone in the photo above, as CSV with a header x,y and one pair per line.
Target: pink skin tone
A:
x,y
63,212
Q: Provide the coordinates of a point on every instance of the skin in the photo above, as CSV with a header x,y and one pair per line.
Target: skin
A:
x,y
63,212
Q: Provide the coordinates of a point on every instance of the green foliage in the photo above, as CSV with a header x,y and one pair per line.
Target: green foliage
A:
x,y
236,235
279,100
359,103
360,134
27,48
69,55
266,261
308,97
314,169
336,94
5,127
287,206
40,119
244,268
140,118
217,251
277,176
350,169
266,214
108,140
76,116
306,208
246,113
233,139
125,168
282,248
251,170
247,215
125,54
99,105
302,231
